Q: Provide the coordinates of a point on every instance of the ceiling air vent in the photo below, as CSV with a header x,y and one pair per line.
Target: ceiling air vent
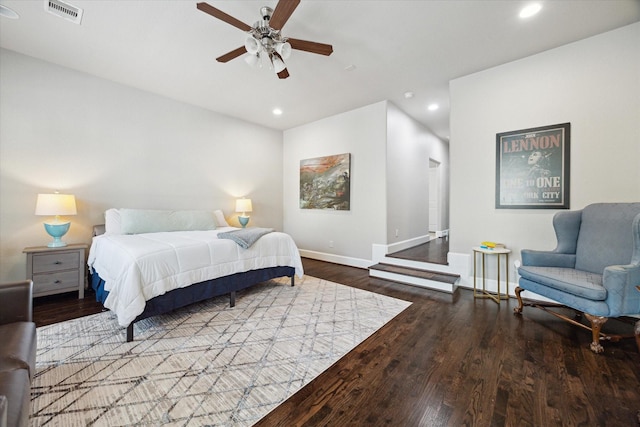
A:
x,y
63,10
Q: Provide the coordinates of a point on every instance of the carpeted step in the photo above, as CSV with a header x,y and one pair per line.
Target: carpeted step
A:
x,y
416,276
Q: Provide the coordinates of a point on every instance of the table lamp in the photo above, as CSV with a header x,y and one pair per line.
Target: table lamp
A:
x,y
56,205
244,206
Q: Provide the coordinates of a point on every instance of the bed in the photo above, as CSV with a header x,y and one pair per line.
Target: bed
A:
x,y
143,263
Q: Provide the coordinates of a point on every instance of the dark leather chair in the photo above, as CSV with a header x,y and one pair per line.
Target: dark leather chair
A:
x,y
17,352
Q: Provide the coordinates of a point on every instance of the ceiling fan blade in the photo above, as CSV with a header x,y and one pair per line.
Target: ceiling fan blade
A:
x,y
232,55
313,47
283,74
282,13
217,13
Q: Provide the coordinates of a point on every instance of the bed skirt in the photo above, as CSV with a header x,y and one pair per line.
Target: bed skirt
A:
x,y
182,297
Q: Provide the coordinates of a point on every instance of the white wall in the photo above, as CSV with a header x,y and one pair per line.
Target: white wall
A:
x,y
361,132
389,166
114,146
594,84
410,146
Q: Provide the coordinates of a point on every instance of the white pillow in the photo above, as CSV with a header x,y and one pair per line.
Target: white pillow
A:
x,y
220,218
112,222
136,221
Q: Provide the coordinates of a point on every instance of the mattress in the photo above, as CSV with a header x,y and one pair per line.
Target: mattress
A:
x,y
138,267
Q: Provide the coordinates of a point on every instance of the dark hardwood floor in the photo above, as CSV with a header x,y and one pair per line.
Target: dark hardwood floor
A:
x,y
434,251
61,307
452,360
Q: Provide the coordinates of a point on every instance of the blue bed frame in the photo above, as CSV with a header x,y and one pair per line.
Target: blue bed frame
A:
x,y
182,297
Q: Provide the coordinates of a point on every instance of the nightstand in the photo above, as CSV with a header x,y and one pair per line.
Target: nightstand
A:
x,y
57,270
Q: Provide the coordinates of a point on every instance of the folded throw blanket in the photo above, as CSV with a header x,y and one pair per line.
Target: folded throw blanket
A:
x,y
245,237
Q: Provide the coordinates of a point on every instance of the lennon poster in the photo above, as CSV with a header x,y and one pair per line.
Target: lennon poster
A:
x,y
532,168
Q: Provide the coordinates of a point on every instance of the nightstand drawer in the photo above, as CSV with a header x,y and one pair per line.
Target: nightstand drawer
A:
x,y
45,283
55,262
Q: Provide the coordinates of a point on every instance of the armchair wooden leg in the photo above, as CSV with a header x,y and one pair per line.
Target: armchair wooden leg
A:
x,y
518,310
596,325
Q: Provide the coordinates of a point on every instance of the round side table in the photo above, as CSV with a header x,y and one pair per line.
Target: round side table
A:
x,y
498,253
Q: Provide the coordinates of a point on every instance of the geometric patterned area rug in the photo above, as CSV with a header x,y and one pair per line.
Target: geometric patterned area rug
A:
x,y
205,364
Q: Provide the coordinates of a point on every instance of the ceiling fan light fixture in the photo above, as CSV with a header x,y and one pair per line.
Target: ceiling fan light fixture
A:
x,y
8,12
284,49
278,63
264,39
253,60
252,45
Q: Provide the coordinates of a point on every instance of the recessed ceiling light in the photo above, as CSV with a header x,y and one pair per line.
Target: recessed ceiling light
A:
x,y
530,10
350,67
408,95
433,107
8,13
277,112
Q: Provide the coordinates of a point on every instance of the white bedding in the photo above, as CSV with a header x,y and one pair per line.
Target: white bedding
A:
x,y
138,267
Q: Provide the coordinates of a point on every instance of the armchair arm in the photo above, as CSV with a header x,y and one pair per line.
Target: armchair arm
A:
x,y
620,281
16,302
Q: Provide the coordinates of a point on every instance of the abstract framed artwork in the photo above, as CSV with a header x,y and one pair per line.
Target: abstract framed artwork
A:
x,y
532,168
325,182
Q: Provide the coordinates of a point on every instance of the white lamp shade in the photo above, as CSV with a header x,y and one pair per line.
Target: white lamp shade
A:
x,y
252,60
243,205
284,49
278,64
252,45
56,204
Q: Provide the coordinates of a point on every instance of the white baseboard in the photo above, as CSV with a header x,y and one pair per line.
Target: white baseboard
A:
x,y
442,233
336,259
379,251
406,244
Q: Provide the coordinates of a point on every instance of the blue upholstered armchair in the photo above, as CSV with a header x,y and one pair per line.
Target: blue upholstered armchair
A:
x,y
595,268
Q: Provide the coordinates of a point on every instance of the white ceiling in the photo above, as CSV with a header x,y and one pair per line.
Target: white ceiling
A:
x,y
169,48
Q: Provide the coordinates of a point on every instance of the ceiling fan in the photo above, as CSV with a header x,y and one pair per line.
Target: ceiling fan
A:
x,y
264,40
